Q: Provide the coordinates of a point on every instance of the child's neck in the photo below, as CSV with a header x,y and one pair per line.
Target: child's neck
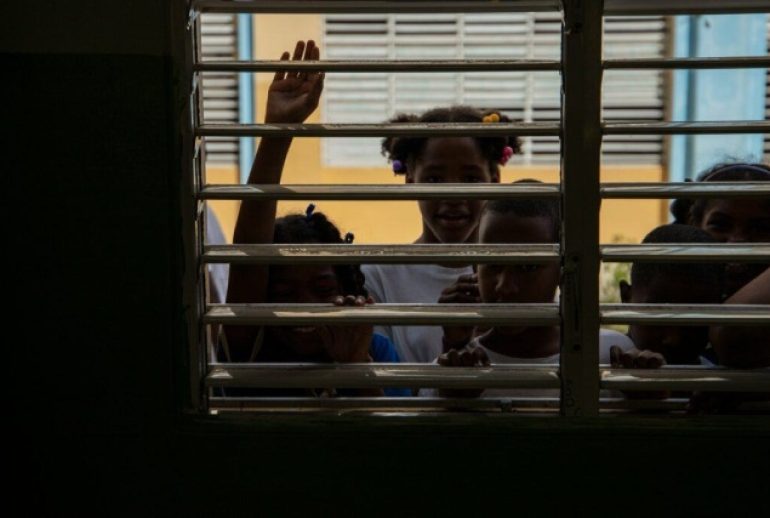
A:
x,y
530,342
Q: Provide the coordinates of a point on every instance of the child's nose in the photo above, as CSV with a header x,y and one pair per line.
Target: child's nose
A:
x,y
507,285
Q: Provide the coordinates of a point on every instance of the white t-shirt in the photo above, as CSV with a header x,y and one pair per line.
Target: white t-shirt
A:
x,y
607,338
411,283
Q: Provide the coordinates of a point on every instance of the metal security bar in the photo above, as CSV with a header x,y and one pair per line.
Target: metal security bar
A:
x,y
578,313
486,404
535,376
684,63
477,191
524,129
385,314
380,192
611,7
373,6
381,254
455,65
474,254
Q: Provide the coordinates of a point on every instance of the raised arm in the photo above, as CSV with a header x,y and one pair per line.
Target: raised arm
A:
x,y
291,98
745,347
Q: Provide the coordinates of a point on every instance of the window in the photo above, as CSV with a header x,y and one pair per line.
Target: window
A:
x,y
636,95
576,117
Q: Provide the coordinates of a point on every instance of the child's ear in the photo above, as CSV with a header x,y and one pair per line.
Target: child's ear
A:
x,y
408,178
625,292
496,177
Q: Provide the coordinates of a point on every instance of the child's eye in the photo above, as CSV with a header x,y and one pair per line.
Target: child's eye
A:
x,y
434,179
472,179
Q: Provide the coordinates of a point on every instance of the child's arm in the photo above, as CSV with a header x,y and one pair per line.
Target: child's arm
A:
x,y
745,347
464,291
292,97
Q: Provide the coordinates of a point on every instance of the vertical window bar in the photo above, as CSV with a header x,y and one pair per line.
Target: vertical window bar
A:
x,y
198,353
192,363
580,155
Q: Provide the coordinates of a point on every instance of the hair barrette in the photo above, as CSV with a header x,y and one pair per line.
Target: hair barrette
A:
x,y
506,155
349,237
309,211
398,166
492,117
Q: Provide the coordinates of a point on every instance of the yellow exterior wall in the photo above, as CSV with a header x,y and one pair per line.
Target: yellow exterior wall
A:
x,y
399,222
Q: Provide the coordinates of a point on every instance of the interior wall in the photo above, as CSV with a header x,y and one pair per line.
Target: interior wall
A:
x,y
91,177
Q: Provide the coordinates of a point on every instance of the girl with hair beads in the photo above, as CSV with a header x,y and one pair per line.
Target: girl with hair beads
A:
x,y
439,160
292,97
736,221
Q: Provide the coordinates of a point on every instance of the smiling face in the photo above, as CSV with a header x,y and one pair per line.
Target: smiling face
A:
x,y
301,285
738,221
450,160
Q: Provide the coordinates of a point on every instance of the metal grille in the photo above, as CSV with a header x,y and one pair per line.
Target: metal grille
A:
x,y
579,314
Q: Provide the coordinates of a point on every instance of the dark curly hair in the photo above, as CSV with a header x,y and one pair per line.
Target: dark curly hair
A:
x,y
315,227
690,212
529,208
409,149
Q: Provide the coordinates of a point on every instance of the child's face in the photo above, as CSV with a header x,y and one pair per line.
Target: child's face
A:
x,y
301,285
738,221
451,160
680,345
534,283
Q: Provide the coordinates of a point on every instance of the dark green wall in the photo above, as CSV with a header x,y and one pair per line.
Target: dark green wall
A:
x,y
90,180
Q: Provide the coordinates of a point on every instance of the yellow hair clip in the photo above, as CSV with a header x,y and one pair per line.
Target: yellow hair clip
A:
x,y
492,117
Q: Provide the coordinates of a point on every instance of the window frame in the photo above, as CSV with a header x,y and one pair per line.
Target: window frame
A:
x,y
581,257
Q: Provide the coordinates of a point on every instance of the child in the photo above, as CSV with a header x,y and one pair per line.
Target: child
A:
x,y
736,221
521,221
672,283
438,160
292,98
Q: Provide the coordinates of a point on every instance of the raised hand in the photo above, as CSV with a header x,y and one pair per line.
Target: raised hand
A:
x,y
294,95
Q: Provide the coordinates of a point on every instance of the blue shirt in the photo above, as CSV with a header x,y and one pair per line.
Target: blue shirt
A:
x,y
382,351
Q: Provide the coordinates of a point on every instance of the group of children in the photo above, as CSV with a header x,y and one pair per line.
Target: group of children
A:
x,y
294,96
